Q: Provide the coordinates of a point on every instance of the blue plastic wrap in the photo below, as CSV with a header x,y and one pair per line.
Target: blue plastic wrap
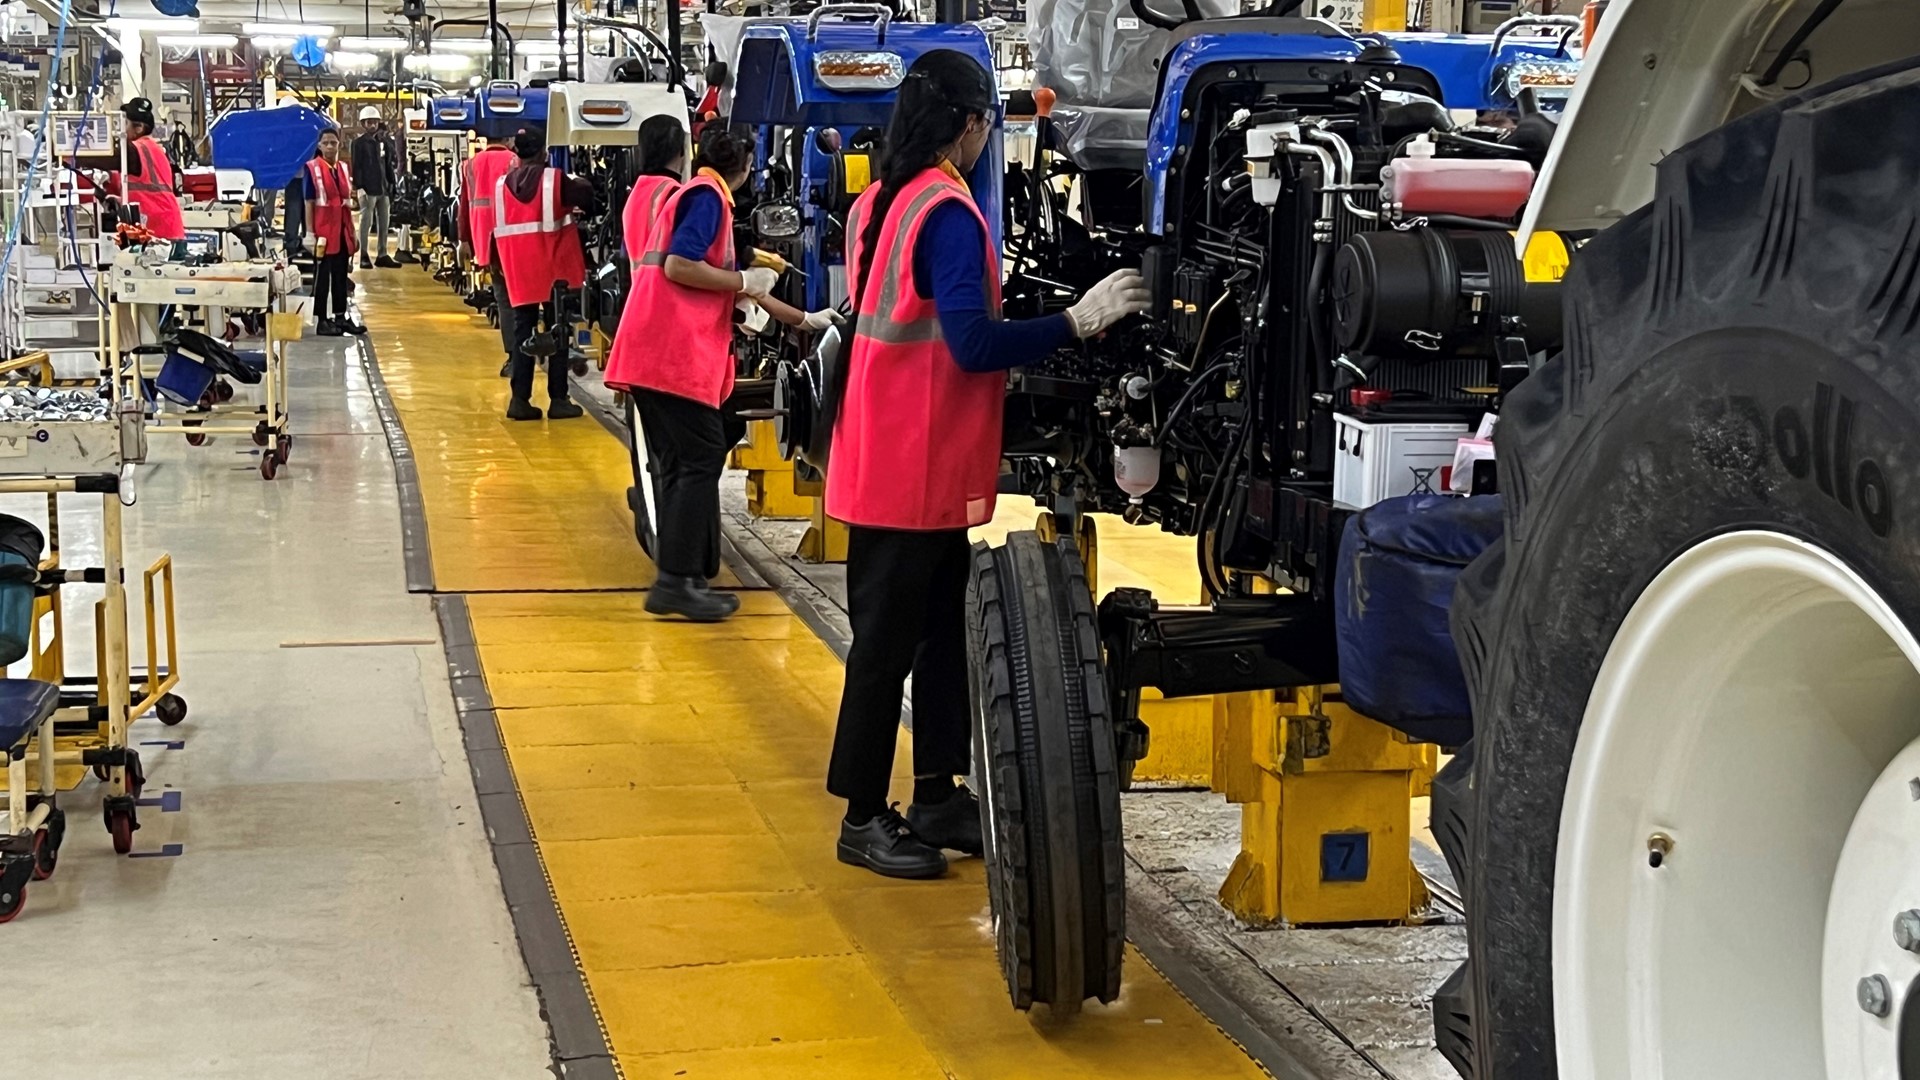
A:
x,y
272,144
1399,560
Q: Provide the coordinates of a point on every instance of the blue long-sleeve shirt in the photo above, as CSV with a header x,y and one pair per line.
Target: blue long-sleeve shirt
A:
x,y
949,268
696,223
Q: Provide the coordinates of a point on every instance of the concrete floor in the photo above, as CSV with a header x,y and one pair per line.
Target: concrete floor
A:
x,y
332,909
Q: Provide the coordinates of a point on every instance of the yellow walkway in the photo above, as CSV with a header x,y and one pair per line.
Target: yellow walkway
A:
x,y
672,775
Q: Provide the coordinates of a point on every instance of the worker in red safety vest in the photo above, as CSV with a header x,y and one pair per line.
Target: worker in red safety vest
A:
x,y
478,177
663,168
673,355
536,245
916,458
148,183
329,208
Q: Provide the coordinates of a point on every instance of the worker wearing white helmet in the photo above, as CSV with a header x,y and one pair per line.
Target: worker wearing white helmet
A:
x,y
375,172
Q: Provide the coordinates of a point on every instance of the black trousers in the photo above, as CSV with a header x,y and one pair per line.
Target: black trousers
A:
x,y
688,444
526,319
503,310
906,596
330,281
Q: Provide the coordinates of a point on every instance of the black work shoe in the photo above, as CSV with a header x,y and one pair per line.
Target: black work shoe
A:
x,y
953,824
366,263
386,262
888,846
522,409
327,328
354,328
563,409
506,368
690,598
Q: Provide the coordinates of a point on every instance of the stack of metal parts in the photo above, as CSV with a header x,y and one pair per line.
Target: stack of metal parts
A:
x,y
28,405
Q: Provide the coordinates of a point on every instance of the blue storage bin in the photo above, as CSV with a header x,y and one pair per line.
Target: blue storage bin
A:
x,y
21,546
1393,590
183,379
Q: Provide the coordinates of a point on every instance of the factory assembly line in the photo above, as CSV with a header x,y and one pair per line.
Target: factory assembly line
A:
x,y
1327,541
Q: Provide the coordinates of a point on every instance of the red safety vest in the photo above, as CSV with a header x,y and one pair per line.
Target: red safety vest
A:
x,y
483,176
672,338
152,191
916,444
644,200
537,242
332,217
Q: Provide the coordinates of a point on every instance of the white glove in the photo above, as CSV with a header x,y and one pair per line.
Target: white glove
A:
x,y
758,281
1118,295
820,320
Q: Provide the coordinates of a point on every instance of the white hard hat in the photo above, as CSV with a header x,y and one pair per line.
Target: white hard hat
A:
x,y
370,112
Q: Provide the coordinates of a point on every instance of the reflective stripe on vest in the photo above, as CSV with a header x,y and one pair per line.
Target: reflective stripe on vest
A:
x,y
318,171
660,239
548,222
149,178
880,322
673,338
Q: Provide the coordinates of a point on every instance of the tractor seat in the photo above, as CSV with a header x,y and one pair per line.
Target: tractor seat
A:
x,y
24,703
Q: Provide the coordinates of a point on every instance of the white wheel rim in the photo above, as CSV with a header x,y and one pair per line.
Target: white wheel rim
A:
x,y
1759,707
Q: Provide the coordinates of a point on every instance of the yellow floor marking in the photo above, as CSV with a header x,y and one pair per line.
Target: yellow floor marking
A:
x,y
672,777
510,506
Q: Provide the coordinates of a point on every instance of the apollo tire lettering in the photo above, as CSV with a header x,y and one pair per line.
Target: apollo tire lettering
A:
x,y
1824,451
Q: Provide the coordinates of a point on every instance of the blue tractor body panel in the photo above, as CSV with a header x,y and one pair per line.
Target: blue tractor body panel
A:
x,y
778,89
501,107
450,113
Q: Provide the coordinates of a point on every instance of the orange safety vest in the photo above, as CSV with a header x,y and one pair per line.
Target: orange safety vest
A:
x,y
483,176
152,191
644,200
332,217
672,338
537,242
916,444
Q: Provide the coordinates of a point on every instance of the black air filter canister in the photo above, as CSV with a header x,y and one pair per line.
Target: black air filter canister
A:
x,y
1437,293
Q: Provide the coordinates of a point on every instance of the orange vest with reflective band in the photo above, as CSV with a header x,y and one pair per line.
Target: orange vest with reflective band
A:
x,y
672,338
916,444
483,176
644,200
332,217
537,242
152,191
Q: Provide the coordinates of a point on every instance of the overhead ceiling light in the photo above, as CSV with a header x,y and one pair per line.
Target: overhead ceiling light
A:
x,y
273,43
374,44
437,62
177,26
255,29
538,48
475,46
197,41
351,61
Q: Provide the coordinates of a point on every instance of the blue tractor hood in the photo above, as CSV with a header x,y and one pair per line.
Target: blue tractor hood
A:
x,y
502,107
272,144
450,113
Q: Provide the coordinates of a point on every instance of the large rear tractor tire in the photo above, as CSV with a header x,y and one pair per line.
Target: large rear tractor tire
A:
x,y
1050,791
1687,833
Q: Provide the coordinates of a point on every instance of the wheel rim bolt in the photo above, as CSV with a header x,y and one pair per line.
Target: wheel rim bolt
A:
x,y
1906,930
1874,996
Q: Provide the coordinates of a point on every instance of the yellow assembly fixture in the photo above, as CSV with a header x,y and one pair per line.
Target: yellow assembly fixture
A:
x,y
1325,799
770,478
826,539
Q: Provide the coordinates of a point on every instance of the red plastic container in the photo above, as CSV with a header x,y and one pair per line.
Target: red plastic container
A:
x,y
1423,184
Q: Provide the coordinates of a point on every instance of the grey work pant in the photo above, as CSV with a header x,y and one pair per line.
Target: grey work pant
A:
x,y
376,213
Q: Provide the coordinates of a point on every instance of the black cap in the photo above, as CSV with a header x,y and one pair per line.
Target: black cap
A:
x,y
530,142
139,110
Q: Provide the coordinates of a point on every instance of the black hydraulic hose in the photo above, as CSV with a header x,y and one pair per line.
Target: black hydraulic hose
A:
x,y
1457,221
1192,388
1316,281
560,32
1798,38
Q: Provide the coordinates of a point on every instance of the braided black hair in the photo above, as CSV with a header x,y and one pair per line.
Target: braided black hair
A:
x,y
663,141
943,90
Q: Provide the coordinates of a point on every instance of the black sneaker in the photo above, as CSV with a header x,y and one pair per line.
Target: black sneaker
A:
x,y
506,368
366,263
689,598
386,262
522,409
563,409
953,824
327,328
888,846
354,328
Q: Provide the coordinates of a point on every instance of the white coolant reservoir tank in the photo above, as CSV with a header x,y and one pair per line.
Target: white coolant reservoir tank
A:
x,y
1136,470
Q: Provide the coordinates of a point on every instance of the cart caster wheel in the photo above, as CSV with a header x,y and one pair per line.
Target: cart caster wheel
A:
x,y
171,709
13,897
45,856
195,438
100,773
223,391
283,448
120,826
579,369
136,775
260,433
269,464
